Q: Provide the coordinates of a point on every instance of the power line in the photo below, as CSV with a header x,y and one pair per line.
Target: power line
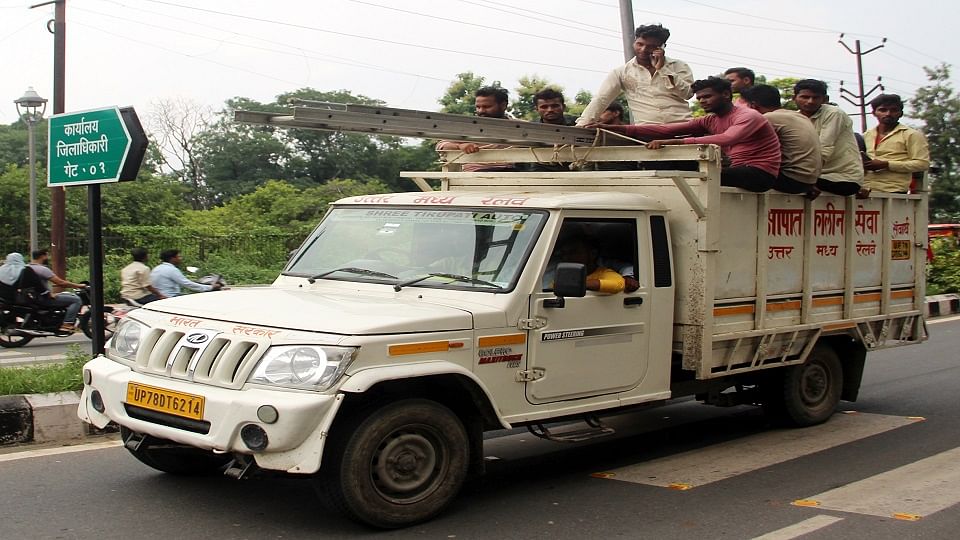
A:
x,y
161,47
701,20
380,40
319,56
484,26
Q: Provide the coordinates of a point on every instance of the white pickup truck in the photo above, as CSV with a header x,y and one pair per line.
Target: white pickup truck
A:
x,y
408,324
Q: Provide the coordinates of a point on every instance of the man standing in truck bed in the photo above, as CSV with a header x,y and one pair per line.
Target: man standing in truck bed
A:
x,y
895,150
656,87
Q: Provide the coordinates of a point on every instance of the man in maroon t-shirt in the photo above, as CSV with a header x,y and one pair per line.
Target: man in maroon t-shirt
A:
x,y
746,138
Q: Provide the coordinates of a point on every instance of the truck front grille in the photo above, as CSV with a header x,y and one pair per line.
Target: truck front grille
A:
x,y
215,359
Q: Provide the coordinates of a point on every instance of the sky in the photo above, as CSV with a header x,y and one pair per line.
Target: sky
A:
x,y
406,53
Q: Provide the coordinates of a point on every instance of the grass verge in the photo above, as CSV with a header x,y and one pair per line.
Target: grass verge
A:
x,y
60,377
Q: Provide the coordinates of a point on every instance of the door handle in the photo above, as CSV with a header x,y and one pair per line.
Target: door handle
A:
x,y
633,301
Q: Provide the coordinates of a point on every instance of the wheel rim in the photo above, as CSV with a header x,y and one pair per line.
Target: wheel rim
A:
x,y
814,384
409,465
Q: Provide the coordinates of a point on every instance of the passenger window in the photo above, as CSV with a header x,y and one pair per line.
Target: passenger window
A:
x,y
611,243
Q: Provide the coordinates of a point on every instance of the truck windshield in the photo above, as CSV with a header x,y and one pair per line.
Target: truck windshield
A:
x,y
464,248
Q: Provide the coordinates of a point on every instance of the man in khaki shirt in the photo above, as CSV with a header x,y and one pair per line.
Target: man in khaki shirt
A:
x,y
842,165
135,286
895,151
656,87
801,160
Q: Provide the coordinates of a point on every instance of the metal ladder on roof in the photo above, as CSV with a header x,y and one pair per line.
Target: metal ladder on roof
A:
x,y
379,120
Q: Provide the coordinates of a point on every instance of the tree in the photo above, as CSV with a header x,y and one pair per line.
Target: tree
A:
x,y
175,126
238,157
785,85
523,106
277,205
149,200
13,143
938,107
459,98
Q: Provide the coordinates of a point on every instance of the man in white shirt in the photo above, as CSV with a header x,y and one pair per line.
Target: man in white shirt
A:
x,y
656,87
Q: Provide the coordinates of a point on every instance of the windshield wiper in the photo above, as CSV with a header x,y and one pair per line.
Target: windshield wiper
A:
x,y
352,270
455,277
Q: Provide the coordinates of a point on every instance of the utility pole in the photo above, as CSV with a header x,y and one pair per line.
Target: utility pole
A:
x,y
861,98
627,28
58,196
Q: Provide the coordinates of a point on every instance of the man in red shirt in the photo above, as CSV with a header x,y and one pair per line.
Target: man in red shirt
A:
x,y
746,138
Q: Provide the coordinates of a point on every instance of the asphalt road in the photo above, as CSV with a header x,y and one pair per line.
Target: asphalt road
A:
x,y
43,350
887,469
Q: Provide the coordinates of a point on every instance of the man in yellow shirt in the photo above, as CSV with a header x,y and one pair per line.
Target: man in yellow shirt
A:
x,y
578,249
895,151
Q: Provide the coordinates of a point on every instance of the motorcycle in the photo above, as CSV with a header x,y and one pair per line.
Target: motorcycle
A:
x,y
21,323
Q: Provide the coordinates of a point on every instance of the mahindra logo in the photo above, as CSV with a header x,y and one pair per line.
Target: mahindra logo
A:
x,y
197,339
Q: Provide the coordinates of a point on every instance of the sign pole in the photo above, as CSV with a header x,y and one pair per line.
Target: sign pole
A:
x,y
94,232
88,148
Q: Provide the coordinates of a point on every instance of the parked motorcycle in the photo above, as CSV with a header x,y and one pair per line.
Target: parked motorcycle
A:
x,y
21,323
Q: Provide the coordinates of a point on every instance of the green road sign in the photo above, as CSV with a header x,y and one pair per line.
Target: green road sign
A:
x,y
92,147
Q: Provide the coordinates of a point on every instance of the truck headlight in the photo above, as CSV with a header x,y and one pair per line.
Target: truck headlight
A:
x,y
311,367
126,340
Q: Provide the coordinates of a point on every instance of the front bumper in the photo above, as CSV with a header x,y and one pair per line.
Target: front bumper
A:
x,y
296,439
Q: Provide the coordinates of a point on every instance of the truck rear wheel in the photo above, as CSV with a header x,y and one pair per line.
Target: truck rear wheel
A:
x,y
811,391
175,459
403,463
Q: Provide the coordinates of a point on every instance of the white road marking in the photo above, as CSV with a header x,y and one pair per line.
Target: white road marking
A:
x,y
799,529
725,460
28,454
910,492
939,320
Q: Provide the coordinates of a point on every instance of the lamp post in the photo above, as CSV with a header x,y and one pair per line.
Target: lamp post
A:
x,y
27,110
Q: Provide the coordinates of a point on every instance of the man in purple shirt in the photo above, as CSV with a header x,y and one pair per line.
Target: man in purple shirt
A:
x,y
746,138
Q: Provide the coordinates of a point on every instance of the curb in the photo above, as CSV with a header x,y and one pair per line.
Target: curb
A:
x,y
44,418
942,304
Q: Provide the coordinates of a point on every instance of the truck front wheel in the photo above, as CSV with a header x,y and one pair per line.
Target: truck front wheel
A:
x,y
811,391
401,464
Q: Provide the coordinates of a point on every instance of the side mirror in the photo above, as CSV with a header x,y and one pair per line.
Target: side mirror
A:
x,y
570,280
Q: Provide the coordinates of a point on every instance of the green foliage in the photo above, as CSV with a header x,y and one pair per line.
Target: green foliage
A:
x,y
943,272
459,98
938,107
150,200
78,269
523,106
13,144
45,378
785,85
15,204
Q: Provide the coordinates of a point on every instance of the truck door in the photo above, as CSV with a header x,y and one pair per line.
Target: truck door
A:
x,y
597,344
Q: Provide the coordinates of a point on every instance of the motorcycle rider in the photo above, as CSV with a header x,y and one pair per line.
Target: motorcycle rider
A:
x,y
135,286
168,279
9,276
66,300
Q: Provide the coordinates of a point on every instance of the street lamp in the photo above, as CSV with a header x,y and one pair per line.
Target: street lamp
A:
x,y
27,110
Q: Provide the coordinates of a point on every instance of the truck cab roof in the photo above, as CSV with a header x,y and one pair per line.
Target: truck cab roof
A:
x,y
595,200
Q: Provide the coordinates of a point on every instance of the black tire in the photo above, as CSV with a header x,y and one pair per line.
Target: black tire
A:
x,y
109,325
12,342
175,459
402,464
811,391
